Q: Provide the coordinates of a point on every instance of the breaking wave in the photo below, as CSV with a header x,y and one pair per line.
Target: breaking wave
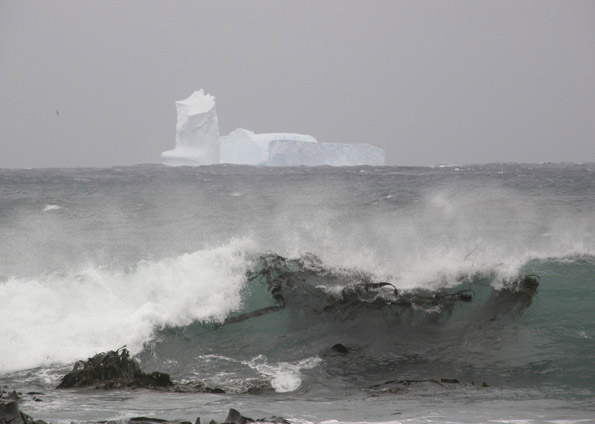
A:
x,y
61,318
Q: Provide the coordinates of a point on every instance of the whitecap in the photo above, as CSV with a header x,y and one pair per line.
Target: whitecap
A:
x,y
51,208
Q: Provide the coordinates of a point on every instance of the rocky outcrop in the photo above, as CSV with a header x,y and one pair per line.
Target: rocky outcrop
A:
x,y
11,414
116,370
112,370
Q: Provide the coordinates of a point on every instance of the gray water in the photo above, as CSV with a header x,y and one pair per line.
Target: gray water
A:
x,y
155,257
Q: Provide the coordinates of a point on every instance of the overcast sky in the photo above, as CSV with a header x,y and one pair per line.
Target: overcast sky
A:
x,y
428,81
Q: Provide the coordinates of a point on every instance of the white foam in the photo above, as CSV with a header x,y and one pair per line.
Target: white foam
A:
x,y
51,208
285,376
583,334
62,318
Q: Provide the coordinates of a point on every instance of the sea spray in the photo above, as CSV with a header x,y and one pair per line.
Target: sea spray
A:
x,y
441,235
60,318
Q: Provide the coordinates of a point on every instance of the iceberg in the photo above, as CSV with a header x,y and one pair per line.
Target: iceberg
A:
x,y
197,132
198,143
297,153
243,147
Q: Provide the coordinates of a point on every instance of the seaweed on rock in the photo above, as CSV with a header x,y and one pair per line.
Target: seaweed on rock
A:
x,y
113,369
310,278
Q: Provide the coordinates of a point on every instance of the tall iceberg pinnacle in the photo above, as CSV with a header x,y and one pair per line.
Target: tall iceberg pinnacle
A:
x,y
197,132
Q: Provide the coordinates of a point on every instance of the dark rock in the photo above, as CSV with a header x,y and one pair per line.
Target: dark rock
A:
x,y
234,417
274,420
530,283
339,348
466,296
258,388
197,387
160,379
147,420
249,386
10,414
112,370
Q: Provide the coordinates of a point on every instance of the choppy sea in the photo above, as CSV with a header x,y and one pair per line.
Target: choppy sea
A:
x,y
165,260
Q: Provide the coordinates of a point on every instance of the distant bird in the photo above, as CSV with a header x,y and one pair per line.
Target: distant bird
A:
x,y
57,113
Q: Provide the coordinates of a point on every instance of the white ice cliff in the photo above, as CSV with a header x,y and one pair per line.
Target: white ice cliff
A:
x,y
197,137
198,143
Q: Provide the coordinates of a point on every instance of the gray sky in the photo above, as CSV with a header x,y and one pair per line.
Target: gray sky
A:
x,y
428,81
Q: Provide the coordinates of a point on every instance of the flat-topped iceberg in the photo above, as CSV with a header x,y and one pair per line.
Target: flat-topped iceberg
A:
x,y
243,147
197,132
297,153
198,143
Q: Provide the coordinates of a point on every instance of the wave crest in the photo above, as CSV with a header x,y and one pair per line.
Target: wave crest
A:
x,y
60,318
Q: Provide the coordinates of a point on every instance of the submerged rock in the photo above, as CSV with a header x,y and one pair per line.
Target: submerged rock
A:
x,y
340,349
112,370
336,350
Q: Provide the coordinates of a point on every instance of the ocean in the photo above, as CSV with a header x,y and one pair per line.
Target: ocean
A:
x,y
459,294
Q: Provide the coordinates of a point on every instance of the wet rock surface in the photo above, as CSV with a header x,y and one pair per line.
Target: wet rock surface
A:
x,y
115,370
111,370
10,413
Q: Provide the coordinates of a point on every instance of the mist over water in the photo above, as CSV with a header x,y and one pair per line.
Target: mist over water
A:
x,y
154,258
